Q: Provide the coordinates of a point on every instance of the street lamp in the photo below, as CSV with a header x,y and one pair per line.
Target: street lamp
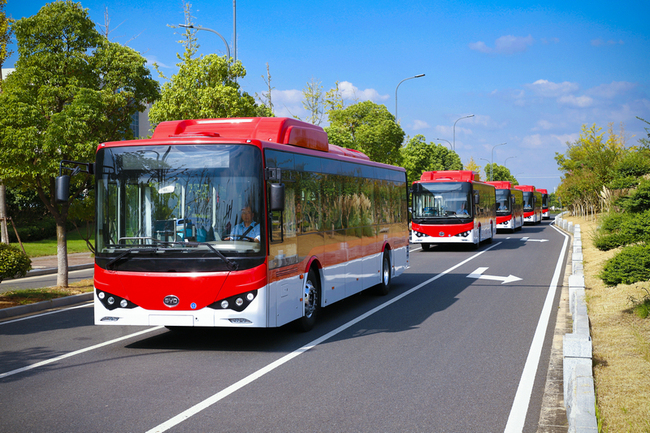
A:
x,y
409,78
190,26
504,162
442,139
492,166
454,128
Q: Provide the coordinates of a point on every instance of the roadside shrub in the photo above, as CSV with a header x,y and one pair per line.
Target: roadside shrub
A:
x,y
36,231
13,262
638,200
606,242
631,265
611,222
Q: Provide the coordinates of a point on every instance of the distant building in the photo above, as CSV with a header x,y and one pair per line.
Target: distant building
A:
x,y
139,122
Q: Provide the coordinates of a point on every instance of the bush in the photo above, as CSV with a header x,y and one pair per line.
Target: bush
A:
x,y
629,266
36,231
13,262
606,242
639,199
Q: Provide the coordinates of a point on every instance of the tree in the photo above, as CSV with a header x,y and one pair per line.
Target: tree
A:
x,y
499,172
473,166
5,38
313,101
72,89
419,156
369,128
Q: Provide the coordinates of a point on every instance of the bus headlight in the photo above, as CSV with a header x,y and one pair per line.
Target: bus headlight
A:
x,y
237,302
111,302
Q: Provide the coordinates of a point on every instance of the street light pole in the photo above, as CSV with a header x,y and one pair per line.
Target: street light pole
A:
x,y
409,78
442,139
488,161
191,26
454,128
492,165
504,162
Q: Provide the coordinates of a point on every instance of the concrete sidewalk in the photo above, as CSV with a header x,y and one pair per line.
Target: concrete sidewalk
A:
x,y
49,265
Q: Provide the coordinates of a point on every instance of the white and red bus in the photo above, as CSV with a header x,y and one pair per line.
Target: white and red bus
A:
x,y
452,207
545,213
510,206
532,204
241,222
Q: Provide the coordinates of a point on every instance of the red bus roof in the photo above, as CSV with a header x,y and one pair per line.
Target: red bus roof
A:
x,y
282,130
543,191
527,188
501,184
449,175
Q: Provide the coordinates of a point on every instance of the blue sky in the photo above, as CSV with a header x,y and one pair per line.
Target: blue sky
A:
x,y
532,74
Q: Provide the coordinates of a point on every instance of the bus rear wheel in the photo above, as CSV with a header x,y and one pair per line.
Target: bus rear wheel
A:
x,y
384,287
312,302
425,247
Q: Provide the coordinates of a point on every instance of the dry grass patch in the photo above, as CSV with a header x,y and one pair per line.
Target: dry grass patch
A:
x,y
31,296
621,343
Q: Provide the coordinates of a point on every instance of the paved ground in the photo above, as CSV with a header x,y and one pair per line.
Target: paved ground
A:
x,y
49,263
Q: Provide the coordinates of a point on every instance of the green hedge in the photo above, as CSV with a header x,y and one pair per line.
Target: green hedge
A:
x,y
618,230
37,231
13,262
629,266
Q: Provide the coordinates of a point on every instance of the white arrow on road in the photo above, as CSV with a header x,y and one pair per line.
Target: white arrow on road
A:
x,y
533,240
478,273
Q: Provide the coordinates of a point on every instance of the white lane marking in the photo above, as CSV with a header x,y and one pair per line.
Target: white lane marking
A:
x,y
76,352
259,373
478,274
517,417
44,277
88,304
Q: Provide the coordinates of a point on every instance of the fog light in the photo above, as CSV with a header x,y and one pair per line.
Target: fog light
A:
x,y
123,303
239,302
224,304
250,297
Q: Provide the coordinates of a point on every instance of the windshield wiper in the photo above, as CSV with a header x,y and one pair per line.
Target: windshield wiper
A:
x,y
230,264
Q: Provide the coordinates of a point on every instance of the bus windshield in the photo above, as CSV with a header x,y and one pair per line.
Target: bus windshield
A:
x,y
442,200
529,204
503,202
181,200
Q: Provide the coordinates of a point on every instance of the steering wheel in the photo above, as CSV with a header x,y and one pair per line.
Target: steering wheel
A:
x,y
242,237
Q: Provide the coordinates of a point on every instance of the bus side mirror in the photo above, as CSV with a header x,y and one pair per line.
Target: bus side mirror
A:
x,y
277,197
477,198
62,188
512,199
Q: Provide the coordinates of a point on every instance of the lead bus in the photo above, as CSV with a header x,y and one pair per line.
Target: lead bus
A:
x,y
510,206
452,207
545,213
532,204
241,222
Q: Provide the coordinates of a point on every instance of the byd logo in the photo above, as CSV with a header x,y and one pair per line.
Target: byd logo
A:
x,y
171,300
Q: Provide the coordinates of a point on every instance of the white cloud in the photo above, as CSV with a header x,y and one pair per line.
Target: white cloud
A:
x,y
504,45
612,90
600,42
532,141
543,125
351,92
420,124
153,59
286,96
576,101
550,89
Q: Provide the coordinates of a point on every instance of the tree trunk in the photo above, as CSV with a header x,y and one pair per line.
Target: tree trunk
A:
x,y
61,253
4,234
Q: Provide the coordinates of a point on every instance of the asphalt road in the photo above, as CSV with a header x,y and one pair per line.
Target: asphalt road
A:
x,y
47,280
449,349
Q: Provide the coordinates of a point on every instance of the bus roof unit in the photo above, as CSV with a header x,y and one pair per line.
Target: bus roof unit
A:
x,y
528,188
449,175
501,184
282,130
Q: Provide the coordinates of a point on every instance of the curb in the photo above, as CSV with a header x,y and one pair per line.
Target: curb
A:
x,y
579,391
6,313
47,271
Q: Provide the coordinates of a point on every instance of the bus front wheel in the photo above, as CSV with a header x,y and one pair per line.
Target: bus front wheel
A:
x,y
312,302
384,287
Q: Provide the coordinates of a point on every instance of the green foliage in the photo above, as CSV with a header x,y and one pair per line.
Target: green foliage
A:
x,y
71,90
13,262
205,88
312,101
369,128
629,266
623,229
5,34
641,307
638,200
499,173
419,156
